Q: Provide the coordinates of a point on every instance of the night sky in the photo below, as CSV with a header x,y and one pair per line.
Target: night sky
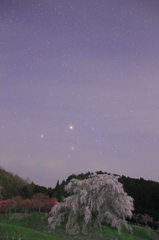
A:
x,y
79,88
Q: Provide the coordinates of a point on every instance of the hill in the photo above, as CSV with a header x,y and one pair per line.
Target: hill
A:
x,y
13,185
144,192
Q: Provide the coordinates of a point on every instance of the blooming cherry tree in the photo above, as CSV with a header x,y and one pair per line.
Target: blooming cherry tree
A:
x,y
94,200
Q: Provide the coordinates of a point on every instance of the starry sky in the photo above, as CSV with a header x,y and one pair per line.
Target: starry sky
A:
x,y
79,88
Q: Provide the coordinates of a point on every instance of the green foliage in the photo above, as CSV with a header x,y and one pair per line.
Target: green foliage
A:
x,y
60,191
28,190
145,194
11,184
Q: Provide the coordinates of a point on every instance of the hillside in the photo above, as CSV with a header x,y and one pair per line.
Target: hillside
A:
x,y
13,185
144,192
35,226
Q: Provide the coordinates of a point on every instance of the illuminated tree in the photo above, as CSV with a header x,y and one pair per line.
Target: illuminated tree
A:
x,y
94,200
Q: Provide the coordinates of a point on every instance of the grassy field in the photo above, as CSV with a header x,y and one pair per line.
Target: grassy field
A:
x,y
25,228
28,229
139,233
10,231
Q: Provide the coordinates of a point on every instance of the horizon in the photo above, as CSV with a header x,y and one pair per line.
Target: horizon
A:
x,y
115,174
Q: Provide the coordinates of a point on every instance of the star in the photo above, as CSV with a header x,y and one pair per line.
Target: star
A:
x,y
41,135
71,127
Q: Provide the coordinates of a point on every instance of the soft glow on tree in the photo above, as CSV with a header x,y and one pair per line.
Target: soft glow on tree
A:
x,y
94,200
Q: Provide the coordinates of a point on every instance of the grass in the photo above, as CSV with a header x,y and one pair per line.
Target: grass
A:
x,y
11,231
28,229
25,229
139,233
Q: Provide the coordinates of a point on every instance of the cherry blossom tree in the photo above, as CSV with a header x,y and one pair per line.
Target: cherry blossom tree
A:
x,y
25,205
7,205
146,219
39,200
49,204
16,203
94,200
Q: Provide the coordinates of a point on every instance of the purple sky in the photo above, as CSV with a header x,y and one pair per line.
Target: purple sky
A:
x,y
89,64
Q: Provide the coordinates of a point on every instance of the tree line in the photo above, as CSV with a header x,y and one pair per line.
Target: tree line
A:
x,y
144,192
39,202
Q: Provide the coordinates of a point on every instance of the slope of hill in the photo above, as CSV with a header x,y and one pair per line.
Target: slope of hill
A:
x,y
31,227
11,184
